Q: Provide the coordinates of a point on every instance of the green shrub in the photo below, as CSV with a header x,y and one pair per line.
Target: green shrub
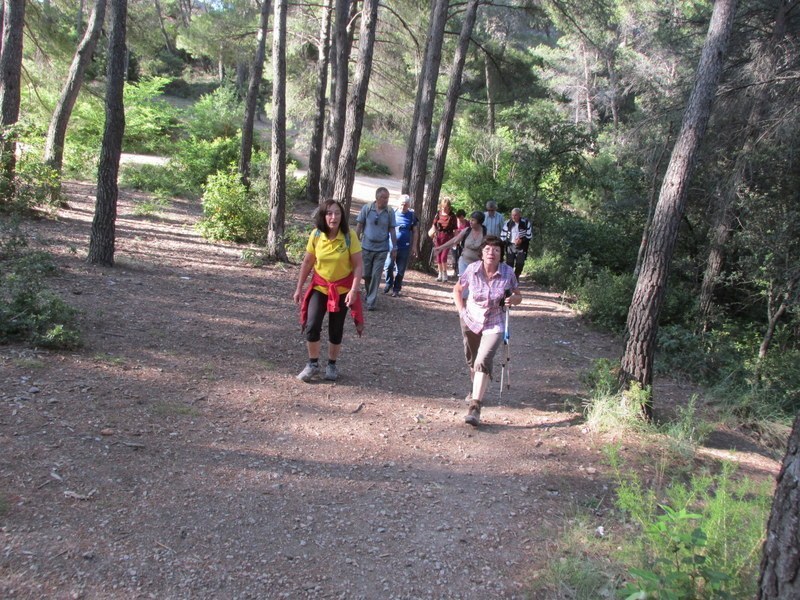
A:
x,y
605,298
230,213
151,124
28,310
35,185
197,159
216,115
699,539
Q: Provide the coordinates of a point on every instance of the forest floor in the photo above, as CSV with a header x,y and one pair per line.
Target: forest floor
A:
x,y
175,455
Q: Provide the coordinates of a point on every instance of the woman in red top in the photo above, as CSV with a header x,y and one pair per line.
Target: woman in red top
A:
x,y
445,224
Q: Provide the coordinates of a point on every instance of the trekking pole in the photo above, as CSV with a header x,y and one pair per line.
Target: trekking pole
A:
x,y
505,372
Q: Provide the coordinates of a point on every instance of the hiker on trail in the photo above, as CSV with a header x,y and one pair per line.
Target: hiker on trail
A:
x,y
407,235
493,220
375,227
490,284
516,235
470,240
461,224
333,255
444,226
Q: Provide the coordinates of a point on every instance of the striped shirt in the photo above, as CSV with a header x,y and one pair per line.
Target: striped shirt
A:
x,y
483,313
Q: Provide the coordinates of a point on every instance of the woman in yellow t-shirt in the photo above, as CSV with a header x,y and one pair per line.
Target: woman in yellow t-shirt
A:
x,y
333,255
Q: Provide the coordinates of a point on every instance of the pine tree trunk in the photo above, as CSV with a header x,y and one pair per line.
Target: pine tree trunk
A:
x,y
276,247
251,99
346,171
338,112
648,297
318,131
428,211
56,133
10,75
433,58
780,564
101,241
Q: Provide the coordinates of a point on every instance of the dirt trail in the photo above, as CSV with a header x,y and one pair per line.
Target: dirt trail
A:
x,y
176,455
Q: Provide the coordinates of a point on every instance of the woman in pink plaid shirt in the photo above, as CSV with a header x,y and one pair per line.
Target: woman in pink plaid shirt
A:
x,y
489,285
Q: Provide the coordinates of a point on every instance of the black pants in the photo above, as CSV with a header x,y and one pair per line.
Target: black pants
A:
x,y
516,260
317,307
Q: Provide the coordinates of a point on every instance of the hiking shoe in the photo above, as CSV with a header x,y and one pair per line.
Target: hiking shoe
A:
x,y
387,288
310,371
395,294
331,372
474,415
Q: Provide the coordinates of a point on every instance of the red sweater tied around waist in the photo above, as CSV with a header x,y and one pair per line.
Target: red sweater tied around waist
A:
x,y
356,309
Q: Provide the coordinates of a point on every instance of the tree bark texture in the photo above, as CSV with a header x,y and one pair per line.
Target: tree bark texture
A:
x,y
423,104
428,210
433,59
780,563
10,75
101,241
318,131
56,133
346,171
648,296
251,99
338,111
276,247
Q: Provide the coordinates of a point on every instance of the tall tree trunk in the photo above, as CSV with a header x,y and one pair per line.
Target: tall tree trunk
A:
x,y
648,296
346,171
318,131
780,563
101,241
490,109
251,99
164,34
338,112
433,59
651,203
423,104
446,126
721,230
56,133
276,247
10,75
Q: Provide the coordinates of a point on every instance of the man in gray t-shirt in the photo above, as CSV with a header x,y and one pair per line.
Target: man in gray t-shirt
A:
x,y
375,226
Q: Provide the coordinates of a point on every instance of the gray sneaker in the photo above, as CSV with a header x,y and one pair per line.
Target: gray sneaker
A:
x,y
331,372
310,371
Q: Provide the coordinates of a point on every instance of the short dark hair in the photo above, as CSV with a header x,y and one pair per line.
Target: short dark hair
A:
x,y
461,212
379,191
492,240
322,224
478,216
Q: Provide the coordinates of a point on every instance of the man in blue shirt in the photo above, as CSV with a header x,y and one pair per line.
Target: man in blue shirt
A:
x,y
375,226
407,234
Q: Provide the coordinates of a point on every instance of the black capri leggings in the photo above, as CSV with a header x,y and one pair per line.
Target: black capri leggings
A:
x,y
317,307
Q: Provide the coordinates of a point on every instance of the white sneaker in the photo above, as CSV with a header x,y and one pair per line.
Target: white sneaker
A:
x,y
310,371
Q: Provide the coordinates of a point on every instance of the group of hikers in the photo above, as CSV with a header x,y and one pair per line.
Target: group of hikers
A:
x,y
491,253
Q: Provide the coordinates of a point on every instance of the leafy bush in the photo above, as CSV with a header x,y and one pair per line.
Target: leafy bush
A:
x,y
151,124
197,159
696,539
230,213
216,115
604,299
28,310
35,185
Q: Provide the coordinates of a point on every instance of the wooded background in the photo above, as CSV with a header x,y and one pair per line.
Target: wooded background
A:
x,y
653,144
